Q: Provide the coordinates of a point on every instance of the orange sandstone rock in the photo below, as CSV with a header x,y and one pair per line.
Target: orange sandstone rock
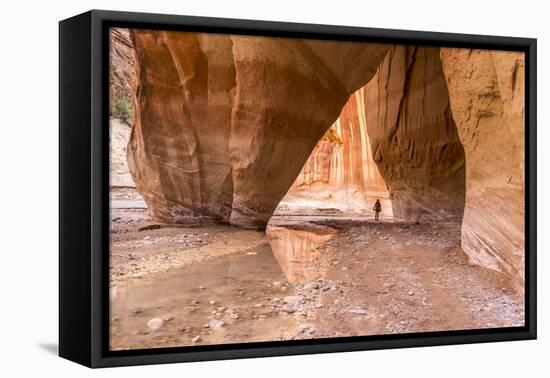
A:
x,y
340,174
122,77
486,90
413,135
224,124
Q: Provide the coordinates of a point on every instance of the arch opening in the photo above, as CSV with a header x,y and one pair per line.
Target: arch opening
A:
x,y
340,177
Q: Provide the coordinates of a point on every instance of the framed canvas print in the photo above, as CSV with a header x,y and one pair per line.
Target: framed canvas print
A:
x,y
233,188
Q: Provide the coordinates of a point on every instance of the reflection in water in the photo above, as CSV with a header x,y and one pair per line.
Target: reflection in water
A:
x,y
237,290
231,288
297,252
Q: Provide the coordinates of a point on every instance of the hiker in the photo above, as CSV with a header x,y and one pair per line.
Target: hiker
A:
x,y
377,209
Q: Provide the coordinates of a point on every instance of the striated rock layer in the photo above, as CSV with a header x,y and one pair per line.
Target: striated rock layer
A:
x,y
224,124
122,81
486,90
122,77
340,174
118,142
404,113
413,135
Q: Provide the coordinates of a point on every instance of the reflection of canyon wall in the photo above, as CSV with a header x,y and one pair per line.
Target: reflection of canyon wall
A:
x,y
224,124
340,172
297,252
486,89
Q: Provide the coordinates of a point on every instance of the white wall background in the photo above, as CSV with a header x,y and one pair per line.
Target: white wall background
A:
x,y
29,186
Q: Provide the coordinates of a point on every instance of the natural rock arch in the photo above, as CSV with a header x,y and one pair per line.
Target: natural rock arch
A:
x,y
225,123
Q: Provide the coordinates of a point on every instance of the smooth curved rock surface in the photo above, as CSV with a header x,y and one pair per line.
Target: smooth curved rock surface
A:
x,y
413,135
486,90
224,124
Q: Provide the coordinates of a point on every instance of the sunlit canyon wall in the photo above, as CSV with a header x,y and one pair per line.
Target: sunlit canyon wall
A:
x,y
396,132
340,174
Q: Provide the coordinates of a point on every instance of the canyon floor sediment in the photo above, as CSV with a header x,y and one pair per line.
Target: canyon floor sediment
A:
x,y
306,277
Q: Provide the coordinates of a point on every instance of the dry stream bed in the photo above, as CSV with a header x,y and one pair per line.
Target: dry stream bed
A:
x,y
306,277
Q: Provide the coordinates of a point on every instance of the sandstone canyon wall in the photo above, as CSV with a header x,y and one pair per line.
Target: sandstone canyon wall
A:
x,y
396,130
340,174
118,141
122,77
487,94
224,124
413,135
122,81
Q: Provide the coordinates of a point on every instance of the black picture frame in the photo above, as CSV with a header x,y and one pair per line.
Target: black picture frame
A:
x,y
84,197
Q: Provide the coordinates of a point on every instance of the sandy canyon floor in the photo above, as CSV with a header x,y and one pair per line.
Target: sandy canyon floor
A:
x,y
306,277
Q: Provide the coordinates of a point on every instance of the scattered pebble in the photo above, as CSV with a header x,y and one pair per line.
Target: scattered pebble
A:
x,y
358,311
288,308
311,286
293,299
216,324
309,328
155,324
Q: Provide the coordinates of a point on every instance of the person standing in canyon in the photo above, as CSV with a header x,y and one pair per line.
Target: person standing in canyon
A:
x,y
377,209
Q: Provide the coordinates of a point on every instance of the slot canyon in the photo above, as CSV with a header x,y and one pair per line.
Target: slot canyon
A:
x,y
252,165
